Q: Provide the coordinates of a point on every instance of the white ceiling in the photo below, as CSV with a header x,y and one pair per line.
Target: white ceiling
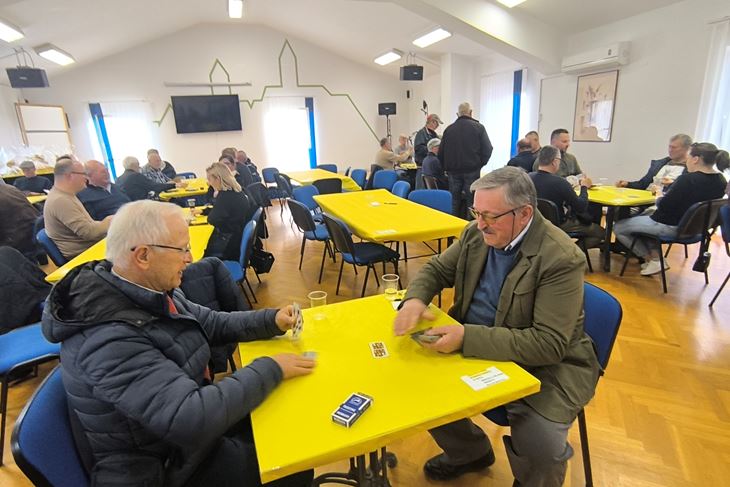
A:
x,y
358,30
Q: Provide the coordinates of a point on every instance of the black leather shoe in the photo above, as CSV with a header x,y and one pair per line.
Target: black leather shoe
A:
x,y
438,469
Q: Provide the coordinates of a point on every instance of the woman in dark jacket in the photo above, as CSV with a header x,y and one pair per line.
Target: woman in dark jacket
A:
x,y
229,214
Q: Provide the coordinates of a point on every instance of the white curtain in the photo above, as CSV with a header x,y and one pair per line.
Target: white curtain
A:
x,y
496,116
713,121
286,129
129,127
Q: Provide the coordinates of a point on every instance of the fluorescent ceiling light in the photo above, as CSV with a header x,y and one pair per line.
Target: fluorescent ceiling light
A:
x,y
432,37
235,9
54,54
510,3
389,57
9,33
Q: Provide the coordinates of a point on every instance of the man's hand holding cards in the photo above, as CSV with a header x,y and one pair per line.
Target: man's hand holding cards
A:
x,y
448,338
298,322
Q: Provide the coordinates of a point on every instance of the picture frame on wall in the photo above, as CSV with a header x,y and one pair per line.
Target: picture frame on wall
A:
x,y
595,102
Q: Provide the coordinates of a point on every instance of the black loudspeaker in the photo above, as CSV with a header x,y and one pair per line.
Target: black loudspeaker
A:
x,y
386,108
411,72
24,77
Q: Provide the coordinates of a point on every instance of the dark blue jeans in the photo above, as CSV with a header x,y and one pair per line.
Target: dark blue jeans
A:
x,y
461,196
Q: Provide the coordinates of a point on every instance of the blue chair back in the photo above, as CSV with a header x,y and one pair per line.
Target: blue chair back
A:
x,y
187,175
43,445
328,167
603,315
438,199
385,179
725,222
50,247
401,189
305,195
247,240
269,174
360,177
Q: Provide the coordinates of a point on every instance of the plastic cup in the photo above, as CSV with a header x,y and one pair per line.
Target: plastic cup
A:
x,y
191,203
390,285
316,300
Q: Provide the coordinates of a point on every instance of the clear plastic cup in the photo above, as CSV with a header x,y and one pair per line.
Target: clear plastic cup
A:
x,y
317,299
390,285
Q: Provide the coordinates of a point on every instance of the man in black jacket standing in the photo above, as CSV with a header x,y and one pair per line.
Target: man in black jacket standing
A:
x,y
423,136
135,353
465,148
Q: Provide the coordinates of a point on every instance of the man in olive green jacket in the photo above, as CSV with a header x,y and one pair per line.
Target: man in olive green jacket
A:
x,y
519,290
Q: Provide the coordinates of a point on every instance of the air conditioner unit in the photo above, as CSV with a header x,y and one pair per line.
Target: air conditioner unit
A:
x,y
611,56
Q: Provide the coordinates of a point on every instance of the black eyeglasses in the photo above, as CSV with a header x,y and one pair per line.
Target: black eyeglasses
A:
x,y
488,219
182,250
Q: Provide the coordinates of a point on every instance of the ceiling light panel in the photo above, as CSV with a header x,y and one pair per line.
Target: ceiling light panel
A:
x,y
432,37
389,57
8,32
235,9
510,3
54,54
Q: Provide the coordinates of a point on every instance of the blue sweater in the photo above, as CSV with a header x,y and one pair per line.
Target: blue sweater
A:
x,y
483,307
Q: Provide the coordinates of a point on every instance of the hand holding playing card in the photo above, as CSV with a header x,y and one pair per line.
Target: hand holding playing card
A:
x,y
452,339
410,314
285,318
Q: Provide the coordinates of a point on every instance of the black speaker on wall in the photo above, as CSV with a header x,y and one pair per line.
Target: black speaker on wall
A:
x,y
24,77
386,108
411,72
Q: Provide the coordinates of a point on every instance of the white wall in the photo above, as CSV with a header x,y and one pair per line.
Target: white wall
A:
x,y
658,92
249,53
9,128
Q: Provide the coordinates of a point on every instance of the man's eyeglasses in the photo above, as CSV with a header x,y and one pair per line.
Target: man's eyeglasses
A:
x,y
182,250
489,219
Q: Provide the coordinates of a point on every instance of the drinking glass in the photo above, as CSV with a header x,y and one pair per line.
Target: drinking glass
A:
x,y
390,285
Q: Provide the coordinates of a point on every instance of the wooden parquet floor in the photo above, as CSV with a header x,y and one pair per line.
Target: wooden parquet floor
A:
x,y
661,414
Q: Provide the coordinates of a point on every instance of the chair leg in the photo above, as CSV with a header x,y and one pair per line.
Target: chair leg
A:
x,y
405,252
626,258
321,266
666,254
253,294
301,252
355,268
377,283
245,294
4,412
584,448
720,290
339,278
664,273
232,363
686,255
582,245
365,282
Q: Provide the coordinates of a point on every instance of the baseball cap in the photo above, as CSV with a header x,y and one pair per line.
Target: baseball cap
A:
x,y
433,143
435,117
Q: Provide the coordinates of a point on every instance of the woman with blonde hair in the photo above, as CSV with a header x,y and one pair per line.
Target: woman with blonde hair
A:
x,y
230,212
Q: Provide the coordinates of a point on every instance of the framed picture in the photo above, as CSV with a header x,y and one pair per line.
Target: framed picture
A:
x,y
595,99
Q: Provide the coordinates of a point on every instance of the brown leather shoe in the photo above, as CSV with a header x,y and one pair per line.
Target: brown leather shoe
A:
x,y
437,468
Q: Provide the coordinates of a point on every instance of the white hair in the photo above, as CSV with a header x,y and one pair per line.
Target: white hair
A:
x,y
138,223
464,109
129,162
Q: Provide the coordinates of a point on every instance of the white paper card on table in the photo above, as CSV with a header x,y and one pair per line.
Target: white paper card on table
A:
x,y
484,379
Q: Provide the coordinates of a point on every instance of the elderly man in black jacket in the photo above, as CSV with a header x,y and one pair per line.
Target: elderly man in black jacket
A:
x,y
465,148
134,362
138,187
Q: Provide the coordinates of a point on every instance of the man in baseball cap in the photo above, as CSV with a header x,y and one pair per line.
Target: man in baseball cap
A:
x,y
424,135
432,166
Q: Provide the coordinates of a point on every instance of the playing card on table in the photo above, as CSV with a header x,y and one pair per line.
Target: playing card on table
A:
x,y
378,349
298,323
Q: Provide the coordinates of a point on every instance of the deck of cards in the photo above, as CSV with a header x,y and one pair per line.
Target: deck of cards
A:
x,y
349,411
421,337
378,349
298,323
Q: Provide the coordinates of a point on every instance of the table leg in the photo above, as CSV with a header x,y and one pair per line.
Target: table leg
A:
x,y
610,214
361,474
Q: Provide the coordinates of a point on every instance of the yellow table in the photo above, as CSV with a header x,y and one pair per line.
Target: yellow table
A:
x,y
39,198
199,236
305,178
408,166
196,187
612,197
413,389
379,216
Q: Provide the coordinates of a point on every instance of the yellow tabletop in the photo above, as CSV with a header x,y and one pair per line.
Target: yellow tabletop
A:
x,y
199,236
305,178
408,165
195,187
413,389
613,196
39,198
379,216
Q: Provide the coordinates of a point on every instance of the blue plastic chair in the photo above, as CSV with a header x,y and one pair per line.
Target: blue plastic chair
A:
x,y
269,175
238,268
328,167
42,443
725,228
360,177
438,199
311,231
358,254
305,195
401,189
50,247
385,179
283,185
21,348
603,316
187,175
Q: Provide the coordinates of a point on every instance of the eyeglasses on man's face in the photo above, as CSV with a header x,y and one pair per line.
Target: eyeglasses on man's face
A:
x,y
490,219
182,250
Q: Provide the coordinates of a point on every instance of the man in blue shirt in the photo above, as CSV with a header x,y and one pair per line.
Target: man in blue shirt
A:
x,y
30,183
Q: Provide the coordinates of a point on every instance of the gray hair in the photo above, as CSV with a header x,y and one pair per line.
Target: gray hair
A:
x,y
129,162
138,223
63,167
684,139
518,187
27,165
464,109
547,155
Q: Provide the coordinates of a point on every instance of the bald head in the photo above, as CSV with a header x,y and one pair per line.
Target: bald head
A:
x,y
97,173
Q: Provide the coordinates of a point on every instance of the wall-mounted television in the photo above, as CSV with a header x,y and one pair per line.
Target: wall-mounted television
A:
x,y
211,113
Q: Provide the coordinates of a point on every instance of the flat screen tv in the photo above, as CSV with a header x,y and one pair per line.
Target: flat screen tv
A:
x,y
211,113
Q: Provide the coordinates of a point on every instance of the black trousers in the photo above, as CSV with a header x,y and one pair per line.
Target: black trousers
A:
x,y
233,463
